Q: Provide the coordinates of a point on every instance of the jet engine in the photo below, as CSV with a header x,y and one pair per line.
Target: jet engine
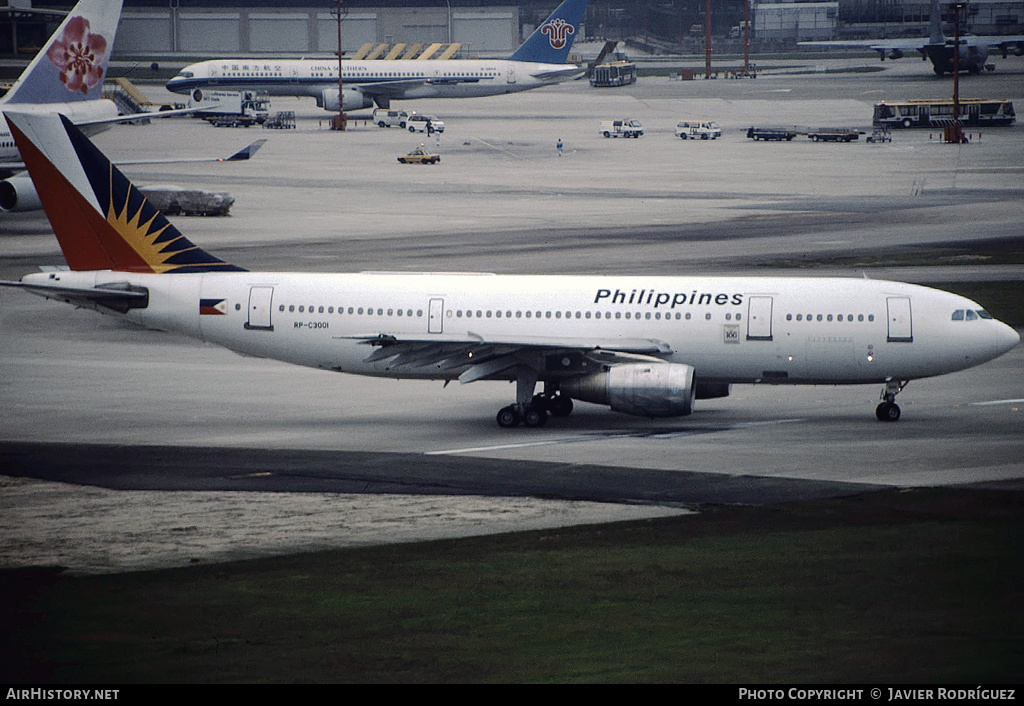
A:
x,y
18,193
641,389
354,99
895,54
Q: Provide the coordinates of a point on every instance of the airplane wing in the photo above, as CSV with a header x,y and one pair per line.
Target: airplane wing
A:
x,y
391,89
8,169
489,359
1014,41
560,74
247,152
115,296
882,46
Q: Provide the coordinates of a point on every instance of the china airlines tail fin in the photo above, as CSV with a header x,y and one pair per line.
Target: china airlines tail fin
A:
x,y
550,43
100,219
73,63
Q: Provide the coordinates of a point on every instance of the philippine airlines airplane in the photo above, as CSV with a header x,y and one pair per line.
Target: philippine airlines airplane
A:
x,y
972,55
540,61
646,346
66,76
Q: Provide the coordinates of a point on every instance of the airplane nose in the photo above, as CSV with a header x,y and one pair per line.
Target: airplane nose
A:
x,y
1008,337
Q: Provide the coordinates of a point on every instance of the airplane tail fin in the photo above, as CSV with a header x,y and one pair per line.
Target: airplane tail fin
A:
x,y
935,25
550,43
71,66
100,219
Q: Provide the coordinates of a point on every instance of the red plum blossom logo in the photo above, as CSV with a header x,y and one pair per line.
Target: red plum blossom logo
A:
x,y
557,31
78,55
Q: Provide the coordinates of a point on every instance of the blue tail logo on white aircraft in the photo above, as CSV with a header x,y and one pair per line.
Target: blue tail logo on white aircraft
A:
x,y
550,43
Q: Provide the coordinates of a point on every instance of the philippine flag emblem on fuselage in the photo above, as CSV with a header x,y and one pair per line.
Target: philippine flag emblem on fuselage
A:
x,y
558,31
213,307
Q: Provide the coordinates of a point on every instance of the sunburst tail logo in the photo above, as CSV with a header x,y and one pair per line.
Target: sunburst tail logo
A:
x,y
147,240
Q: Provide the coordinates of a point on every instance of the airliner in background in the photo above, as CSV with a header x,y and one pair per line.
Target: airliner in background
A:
x,y
646,346
973,50
540,61
66,76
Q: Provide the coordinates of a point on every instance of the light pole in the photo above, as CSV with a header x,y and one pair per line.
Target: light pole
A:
x,y
340,121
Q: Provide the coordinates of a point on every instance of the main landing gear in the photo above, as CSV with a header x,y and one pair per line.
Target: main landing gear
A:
x,y
533,410
888,410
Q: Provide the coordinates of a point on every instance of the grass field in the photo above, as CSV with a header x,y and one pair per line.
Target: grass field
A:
x,y
913,586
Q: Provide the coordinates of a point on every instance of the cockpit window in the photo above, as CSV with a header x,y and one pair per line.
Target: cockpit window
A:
x,y
971,316
984,314
186,74
958,315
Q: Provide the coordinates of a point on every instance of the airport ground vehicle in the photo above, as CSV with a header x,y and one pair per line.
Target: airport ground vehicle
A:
x,y
771,133
615,73
833,134
231,108
698,130
974,112
385,117
420,156
882,134
282,120
418,122
626,127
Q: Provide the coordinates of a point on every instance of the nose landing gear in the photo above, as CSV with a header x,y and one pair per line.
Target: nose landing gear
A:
x,y
888,410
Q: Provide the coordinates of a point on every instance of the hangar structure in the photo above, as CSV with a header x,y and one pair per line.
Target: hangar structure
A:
x,y
486,28
223,28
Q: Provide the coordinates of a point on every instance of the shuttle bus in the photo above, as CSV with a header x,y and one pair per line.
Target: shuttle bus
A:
x,y
974,112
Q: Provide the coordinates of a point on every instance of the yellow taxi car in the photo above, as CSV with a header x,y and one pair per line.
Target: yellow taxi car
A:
x,y
420,156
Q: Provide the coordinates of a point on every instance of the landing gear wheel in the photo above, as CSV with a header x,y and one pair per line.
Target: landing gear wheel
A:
x,y
508,417
535,416
560,406
888,412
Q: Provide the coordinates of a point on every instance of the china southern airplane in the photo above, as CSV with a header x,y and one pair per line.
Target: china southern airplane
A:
x,y
66,76
646,346
973,50
540,61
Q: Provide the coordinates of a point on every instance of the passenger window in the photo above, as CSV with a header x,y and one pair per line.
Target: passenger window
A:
x,y
958,315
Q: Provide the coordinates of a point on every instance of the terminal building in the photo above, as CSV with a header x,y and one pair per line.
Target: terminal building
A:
x,y
204,28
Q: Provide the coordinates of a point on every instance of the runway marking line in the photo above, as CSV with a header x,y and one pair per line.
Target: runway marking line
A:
x,y
666,434
996,402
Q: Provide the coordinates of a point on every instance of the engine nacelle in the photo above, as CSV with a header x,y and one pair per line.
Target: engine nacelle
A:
x,y
18,193
895,54
354,99
641,389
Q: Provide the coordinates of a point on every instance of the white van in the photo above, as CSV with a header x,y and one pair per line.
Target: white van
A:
x,y
627,127
698,129
418,122
386,117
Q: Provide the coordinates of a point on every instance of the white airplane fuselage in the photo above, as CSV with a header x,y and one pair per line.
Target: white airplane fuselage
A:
x,y
400,79
729,329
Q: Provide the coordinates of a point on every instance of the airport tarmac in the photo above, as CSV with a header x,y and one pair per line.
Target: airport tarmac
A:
x,y
502,200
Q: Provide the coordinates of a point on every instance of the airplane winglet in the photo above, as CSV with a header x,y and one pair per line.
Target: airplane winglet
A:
x,y
246,152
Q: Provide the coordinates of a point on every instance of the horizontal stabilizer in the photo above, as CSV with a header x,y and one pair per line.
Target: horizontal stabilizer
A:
x,y
115,296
